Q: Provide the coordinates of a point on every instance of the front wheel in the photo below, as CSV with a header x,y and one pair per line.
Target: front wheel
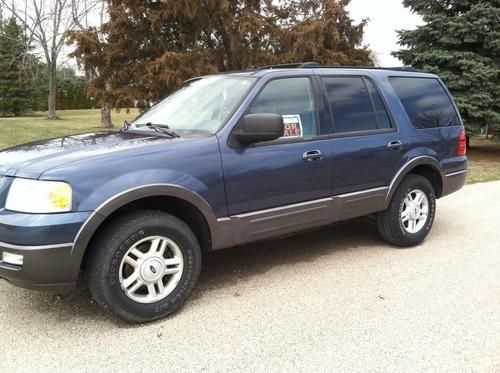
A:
x,y
409,217
143,265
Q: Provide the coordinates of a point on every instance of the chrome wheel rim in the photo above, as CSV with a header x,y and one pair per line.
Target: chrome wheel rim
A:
x,y
414,211
151,269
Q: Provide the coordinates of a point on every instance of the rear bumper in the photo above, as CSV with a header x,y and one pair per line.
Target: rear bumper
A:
x,y
45,243
453,182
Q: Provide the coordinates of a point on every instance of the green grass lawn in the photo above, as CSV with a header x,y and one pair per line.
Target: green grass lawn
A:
x,y
18,130
480,171
484,157
484,160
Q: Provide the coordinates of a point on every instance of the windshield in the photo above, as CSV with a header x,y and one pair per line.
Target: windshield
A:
x,y
200,105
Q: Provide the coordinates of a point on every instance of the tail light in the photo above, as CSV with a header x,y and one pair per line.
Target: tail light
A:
x,y
462,144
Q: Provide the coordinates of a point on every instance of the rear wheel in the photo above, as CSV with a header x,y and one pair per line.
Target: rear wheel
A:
x,y
410,215
143,266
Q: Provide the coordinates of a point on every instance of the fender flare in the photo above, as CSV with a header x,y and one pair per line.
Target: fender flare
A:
x,y
405,170
121,199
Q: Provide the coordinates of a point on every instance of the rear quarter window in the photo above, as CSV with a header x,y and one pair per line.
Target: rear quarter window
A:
x,y
426,102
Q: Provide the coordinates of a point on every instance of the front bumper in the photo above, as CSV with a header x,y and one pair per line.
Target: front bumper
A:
x,y
44,267
45,243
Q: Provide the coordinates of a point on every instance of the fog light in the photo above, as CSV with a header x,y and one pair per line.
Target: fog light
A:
x,y
14,259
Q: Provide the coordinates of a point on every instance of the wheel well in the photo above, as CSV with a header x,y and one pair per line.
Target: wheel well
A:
x,y
177,207
431,174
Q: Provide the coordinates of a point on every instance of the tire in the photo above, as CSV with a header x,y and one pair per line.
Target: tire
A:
x,y
395,224
143,266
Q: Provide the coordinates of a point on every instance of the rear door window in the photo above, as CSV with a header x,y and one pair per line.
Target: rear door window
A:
x,y
355,104
426,102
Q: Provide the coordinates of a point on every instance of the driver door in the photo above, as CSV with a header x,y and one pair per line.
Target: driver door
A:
x,y
277,186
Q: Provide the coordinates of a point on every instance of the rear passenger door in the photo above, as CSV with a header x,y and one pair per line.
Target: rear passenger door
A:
x,y
366,144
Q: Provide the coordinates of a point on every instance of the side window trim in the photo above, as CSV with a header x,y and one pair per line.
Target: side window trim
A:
x,y
392,121
322,107
329,109
362,133
377,122
452,100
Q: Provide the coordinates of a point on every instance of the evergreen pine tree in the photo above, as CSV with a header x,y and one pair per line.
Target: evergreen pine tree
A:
x,y
460,41
15,95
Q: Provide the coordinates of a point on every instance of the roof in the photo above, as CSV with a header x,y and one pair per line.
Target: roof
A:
x,y
309,67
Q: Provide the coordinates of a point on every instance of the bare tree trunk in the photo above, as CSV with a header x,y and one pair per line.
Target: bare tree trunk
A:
x,y
106,117
52,77
226,43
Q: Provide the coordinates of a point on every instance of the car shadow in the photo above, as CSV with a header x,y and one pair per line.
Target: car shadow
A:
x,y
223,268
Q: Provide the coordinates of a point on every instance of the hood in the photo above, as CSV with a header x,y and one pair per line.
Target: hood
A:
x,y
32,159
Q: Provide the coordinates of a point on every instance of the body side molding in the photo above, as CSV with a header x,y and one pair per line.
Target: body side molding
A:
x,y
35,247
282,220
451,174
259,225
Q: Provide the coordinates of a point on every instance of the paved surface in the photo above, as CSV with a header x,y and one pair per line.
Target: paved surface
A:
x,y
336,299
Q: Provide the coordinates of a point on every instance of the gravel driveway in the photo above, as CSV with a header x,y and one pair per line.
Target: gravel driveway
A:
x,y
337,299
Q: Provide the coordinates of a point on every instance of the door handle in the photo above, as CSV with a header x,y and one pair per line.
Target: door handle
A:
x,y
395,145
312,156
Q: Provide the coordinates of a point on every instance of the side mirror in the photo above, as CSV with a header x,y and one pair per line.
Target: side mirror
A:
x,y
255,128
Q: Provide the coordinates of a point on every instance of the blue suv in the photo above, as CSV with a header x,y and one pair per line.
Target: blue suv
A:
x,y
226,160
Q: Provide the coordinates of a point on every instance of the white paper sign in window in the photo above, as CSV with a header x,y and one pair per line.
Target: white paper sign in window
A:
x,y
293,125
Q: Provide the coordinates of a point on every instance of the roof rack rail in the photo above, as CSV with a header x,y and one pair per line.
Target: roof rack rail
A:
x,y
316,65
396,68
298,65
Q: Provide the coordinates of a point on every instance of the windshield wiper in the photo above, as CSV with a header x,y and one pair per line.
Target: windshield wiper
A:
x,y
125,127
164,128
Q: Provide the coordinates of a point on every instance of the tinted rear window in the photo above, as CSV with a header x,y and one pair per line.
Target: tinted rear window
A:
x,y
426,102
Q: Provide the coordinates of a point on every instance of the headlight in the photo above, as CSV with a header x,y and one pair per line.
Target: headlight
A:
x,y
39,196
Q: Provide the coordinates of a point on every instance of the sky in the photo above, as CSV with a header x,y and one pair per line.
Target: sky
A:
x,y
385,17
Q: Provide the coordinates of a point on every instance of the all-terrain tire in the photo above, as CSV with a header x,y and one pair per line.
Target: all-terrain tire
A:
x,y
390,222
106,260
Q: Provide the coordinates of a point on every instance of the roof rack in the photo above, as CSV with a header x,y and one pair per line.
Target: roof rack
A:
x,y
397,68
316,65
298,65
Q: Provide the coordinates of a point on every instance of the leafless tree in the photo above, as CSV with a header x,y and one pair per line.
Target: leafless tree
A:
x,y
47,23
100,11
